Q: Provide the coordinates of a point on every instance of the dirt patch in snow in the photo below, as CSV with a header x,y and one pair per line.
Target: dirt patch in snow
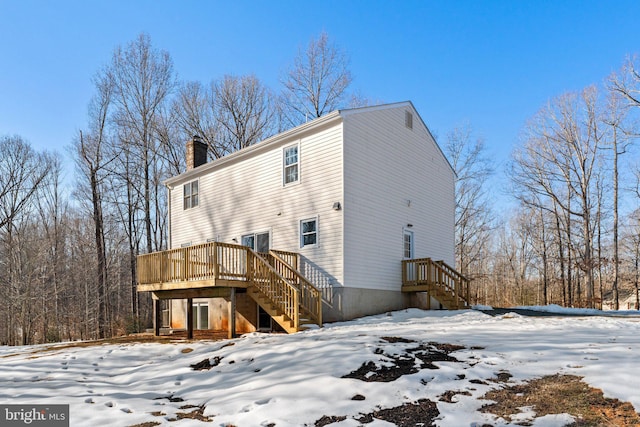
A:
x,y
411,361
206,364
561,394
422,413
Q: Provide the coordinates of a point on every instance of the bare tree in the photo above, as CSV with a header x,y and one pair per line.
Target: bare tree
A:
x,y
619,137
558,164
92,160
623,86
627,81
245,112
22,172
317,81
194,108
143,78
473,221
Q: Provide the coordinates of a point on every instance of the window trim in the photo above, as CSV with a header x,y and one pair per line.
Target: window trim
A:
x,y
316,232
254,235
189,197
285,166
412,243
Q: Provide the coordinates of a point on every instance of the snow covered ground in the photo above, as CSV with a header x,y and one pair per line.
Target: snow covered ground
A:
x,y
294,380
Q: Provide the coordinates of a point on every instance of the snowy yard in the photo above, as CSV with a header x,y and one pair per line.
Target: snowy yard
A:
x,y
296,380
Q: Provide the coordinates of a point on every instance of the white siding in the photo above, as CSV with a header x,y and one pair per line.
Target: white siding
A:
x,y
247,195
394,176
384,175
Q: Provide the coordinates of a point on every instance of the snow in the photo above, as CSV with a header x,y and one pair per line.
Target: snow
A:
x,y
293,380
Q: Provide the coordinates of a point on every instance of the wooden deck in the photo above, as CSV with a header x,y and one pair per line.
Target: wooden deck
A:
x,y
441,281
273,280
217,269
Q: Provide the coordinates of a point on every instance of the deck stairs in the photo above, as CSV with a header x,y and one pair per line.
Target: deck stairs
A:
x,y
439,280
283,292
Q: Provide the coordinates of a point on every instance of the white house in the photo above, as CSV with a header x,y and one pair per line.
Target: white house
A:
x,y
352,193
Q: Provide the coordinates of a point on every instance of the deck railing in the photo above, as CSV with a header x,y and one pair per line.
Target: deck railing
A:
x,y
206,261
310,297
422,271
275,287
274,274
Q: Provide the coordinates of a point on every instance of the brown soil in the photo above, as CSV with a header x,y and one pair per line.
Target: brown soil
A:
x,y
423,413
558,394
412,361
133,339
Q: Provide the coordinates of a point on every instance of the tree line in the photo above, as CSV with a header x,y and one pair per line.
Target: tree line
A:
x,y
573,236
70,258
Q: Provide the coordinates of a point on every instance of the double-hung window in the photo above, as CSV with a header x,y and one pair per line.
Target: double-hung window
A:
x,y
308,232
190,194
291,162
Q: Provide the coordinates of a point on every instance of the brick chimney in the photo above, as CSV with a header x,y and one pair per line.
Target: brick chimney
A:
x,y
196,152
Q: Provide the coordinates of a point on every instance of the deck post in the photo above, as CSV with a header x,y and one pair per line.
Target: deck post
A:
x,y
215,260
156,317
232,313
190,318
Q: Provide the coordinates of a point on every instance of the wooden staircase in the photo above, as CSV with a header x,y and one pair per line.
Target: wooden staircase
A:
x,y
283,292
438,279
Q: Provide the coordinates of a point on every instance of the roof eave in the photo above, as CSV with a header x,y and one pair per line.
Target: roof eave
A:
x,y
247,151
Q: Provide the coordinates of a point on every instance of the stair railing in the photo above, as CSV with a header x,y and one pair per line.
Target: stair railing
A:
x,y
310,296
426,271
276,288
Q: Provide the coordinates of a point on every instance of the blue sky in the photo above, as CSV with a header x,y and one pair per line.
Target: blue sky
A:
x,y
492,64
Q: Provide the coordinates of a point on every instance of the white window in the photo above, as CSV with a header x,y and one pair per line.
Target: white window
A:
x,y
408,244
200,315
190,194
291,162
308,232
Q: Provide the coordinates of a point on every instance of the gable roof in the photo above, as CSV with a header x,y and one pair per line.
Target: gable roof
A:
x,y
409,104
305,127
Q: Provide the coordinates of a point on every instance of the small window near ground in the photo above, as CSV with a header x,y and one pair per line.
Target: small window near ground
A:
x,y
408,119
190,194
291,162
308,232
408,244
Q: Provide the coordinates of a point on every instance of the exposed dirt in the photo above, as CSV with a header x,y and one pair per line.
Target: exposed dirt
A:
x,y
422,413
450,396
132,339
325,420
206,364
196,414
412,361
558,394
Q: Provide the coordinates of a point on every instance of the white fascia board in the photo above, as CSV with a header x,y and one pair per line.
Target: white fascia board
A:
x,y
358,110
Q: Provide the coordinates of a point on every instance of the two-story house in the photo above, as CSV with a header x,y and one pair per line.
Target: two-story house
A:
x,y
340,217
